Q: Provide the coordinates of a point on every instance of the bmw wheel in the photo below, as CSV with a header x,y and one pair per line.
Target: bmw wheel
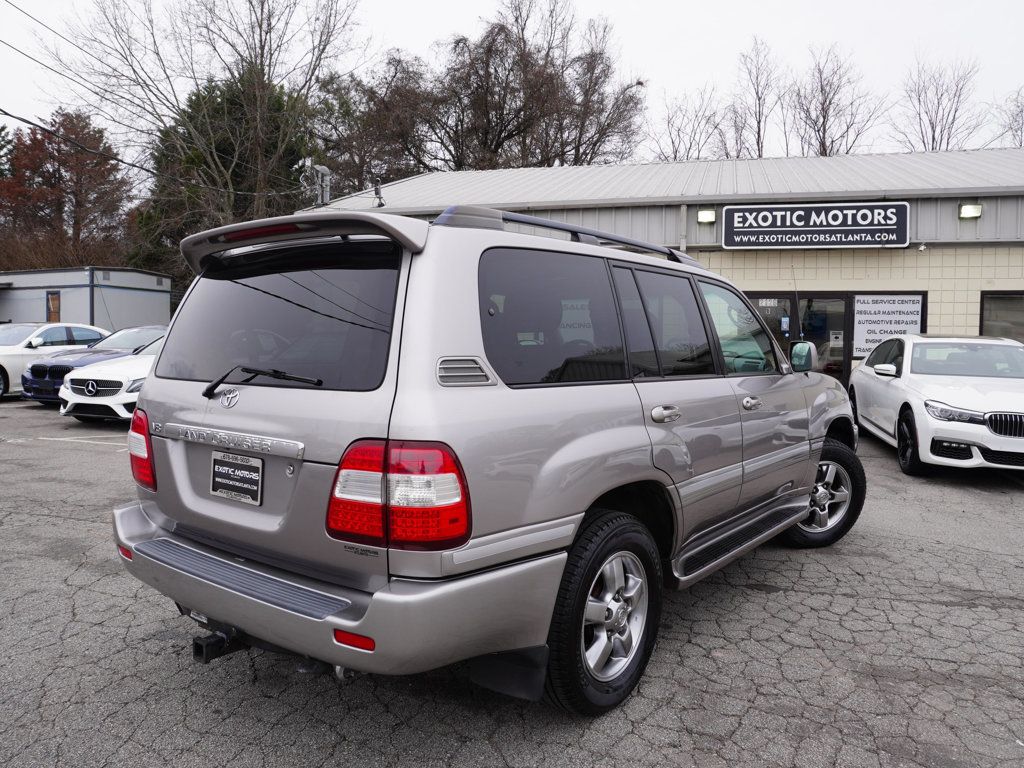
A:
x,y
907,450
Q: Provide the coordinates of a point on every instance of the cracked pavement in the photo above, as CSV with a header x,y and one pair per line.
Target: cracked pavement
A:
x,y
901,646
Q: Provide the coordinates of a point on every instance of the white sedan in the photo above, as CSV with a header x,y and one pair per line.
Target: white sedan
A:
x,y
21,343
108,390
948,401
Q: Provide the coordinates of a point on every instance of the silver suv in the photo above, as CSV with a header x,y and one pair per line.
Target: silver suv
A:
x,y
388,446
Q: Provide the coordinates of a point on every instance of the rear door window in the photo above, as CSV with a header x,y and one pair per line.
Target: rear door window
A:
x,y
678,327
549,318
85,335
323,312
643,360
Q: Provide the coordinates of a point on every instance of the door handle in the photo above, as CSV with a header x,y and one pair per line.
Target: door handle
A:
x,y
663,413
752,403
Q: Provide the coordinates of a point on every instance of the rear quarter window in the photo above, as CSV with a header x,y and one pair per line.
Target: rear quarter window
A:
x,y
549,318
322,313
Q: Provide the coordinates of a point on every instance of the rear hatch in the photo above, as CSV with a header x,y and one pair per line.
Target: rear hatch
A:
x,y
250,469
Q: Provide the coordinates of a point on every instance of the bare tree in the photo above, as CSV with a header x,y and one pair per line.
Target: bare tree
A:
x,y
936,112
149,71
757,95
1011,119
689,128
734,132
833,114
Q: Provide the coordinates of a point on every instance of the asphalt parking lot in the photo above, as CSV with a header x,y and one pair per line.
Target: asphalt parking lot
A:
x,y
901,646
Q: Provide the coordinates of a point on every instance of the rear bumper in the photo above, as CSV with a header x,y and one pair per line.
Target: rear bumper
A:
x,y
416,625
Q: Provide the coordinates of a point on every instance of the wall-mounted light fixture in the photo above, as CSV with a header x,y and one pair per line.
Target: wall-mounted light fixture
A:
x,y
970,211
705,215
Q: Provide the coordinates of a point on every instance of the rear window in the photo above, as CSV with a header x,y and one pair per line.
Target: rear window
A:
x,y
322,313
549,318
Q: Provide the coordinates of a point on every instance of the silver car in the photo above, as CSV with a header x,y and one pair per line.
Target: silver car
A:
x,y
387,445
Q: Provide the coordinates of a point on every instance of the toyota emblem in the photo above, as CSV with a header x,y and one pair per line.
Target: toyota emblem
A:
x,y
229,398
90,388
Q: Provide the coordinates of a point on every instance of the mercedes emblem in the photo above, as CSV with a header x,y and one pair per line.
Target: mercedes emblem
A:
x,y
90,388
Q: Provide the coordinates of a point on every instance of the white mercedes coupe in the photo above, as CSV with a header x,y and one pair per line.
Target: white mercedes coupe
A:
x,y
944,400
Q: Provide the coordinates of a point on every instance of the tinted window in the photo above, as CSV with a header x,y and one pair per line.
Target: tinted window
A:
x,y
678,328
643,361
895,356
549,317
323,313
55,337
86,336
746,345
879,353
1003,316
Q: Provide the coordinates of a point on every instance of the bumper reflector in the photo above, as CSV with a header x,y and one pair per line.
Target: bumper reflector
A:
x,y
362,642
124,551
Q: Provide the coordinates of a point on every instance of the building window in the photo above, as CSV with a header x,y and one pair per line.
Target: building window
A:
x,y
1002,314
53,306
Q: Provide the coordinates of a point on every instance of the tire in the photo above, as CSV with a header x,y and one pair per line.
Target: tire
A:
x,y
907,454
839,472
595,683
4,383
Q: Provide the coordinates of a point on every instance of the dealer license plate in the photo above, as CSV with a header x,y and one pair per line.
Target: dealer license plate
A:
x,y
237,477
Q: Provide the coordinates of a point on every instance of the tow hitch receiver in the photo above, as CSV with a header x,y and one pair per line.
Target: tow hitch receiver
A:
x,y
206,648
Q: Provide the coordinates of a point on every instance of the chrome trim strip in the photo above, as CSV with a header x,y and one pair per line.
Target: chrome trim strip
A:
x,y
270,446
708,484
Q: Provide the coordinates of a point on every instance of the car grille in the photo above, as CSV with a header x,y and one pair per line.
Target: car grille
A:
x,y
1006,458
1006,424
53,372
948,450
104,387
93,409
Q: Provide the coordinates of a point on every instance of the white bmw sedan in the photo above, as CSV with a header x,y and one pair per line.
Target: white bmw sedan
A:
x,y
949,401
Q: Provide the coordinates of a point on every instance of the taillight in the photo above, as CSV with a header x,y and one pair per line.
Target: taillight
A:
x,y
140,451
416,499
427,500
356,509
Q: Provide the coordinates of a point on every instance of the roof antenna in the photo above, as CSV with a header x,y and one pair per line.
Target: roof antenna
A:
x,y
377,194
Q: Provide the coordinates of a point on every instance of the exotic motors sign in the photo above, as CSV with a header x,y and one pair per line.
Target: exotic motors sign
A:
x,y
839,225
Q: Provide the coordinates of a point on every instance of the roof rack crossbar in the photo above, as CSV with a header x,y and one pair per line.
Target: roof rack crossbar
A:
x,y
491,218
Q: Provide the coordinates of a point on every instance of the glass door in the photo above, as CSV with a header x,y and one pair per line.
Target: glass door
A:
x,y
823,320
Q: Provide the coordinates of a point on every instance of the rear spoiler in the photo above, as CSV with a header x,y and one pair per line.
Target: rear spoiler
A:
x,y
197,249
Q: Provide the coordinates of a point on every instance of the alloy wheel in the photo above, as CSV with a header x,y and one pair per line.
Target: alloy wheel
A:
x,y
615,616
830,498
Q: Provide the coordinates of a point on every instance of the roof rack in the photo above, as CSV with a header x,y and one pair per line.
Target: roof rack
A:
x,y
478,217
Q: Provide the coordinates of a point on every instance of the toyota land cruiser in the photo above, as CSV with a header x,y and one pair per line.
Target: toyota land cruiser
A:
x,y
389,445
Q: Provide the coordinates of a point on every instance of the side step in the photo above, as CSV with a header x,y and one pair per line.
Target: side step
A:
x,y
709,553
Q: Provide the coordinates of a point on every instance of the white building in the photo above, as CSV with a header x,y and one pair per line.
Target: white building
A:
x,y
108,297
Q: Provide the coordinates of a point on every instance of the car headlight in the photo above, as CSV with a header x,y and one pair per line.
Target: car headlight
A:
x,y
135,385
944,412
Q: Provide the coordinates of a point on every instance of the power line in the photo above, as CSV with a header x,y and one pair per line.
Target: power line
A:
x,y
106,95
136,166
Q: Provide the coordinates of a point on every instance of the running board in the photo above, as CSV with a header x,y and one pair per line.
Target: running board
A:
x,y
712,552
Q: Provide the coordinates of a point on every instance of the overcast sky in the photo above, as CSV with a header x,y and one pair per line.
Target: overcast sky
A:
x,y
674,46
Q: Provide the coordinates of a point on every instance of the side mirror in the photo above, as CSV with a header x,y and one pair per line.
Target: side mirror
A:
x,y
35,342
804,356
885,369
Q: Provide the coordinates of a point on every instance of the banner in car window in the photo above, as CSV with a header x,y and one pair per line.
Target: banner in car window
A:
x,y
816,225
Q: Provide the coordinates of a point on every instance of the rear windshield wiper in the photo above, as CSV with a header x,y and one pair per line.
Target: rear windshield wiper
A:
x,y
211,388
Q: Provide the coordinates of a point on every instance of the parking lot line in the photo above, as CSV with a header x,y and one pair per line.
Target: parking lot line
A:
x,y
80,440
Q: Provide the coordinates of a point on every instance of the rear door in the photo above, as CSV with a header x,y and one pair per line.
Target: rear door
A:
x,y
776,447
690,410
250,470
869,386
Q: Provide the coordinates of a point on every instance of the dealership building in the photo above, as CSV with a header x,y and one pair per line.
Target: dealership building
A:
x,y
838,250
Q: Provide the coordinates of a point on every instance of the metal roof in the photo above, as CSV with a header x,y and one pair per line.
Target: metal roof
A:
x,y
982,173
